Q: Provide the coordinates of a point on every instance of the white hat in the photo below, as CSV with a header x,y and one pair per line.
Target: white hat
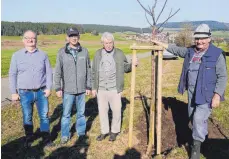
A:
x,y
202,31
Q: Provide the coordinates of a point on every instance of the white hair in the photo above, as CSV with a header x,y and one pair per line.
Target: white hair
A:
x,y
107,35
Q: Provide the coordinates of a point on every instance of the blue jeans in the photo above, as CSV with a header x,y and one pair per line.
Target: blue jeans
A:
x,y
27,99
80,126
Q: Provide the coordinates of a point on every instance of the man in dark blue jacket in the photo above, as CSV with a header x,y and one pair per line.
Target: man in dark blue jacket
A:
x,y
204,76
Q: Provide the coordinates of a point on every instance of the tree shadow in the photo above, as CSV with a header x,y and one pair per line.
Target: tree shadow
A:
x,y
181,119
129,154
146,108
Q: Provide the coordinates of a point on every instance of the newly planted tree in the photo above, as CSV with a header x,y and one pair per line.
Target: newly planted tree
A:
x,y
153,22
156,59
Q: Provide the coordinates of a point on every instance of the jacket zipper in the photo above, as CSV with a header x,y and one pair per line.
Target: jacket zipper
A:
x,y
75,61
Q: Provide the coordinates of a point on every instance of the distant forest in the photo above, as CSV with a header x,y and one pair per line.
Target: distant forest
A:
x,y
17,28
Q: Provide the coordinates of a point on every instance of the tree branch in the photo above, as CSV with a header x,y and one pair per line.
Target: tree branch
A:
x,y
162,10
154,6
161,30
148,20
147,11
170,16
152,15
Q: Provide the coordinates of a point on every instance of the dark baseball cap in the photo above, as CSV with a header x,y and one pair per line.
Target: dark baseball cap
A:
x,y
73,31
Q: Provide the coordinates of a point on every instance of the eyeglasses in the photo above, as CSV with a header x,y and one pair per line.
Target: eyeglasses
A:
x,y
29,38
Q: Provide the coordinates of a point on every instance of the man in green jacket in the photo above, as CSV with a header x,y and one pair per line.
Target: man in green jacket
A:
x,y
108,69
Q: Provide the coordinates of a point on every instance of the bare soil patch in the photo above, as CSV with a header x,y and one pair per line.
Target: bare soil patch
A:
x,y
177,130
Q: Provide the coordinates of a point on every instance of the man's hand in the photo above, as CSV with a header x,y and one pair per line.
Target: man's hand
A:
x,y
93,93
88,92
59,94
160,44
15,97
215,100
47,93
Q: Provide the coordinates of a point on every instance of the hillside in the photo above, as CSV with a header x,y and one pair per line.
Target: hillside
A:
x,y
111,28
214,25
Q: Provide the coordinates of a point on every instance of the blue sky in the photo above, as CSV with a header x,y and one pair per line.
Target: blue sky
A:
x,y
115,12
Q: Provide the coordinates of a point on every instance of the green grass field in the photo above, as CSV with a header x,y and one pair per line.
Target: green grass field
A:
x,y
220,34
52,43
12,130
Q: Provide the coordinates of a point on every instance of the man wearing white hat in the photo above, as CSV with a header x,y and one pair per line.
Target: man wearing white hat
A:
x,y
204,76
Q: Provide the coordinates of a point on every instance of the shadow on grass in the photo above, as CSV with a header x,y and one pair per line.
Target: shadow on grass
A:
x,y
92,111
130,154
14,149
80,150
215,148
211,148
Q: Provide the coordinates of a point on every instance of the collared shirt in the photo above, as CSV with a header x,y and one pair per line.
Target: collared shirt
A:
x,y
194,68
30,70
73,52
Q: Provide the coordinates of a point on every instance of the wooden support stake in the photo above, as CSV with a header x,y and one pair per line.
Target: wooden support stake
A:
x,y
132,99
152,107
159,101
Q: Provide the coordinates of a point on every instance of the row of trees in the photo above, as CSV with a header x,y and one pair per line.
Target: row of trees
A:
x,y
17,28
